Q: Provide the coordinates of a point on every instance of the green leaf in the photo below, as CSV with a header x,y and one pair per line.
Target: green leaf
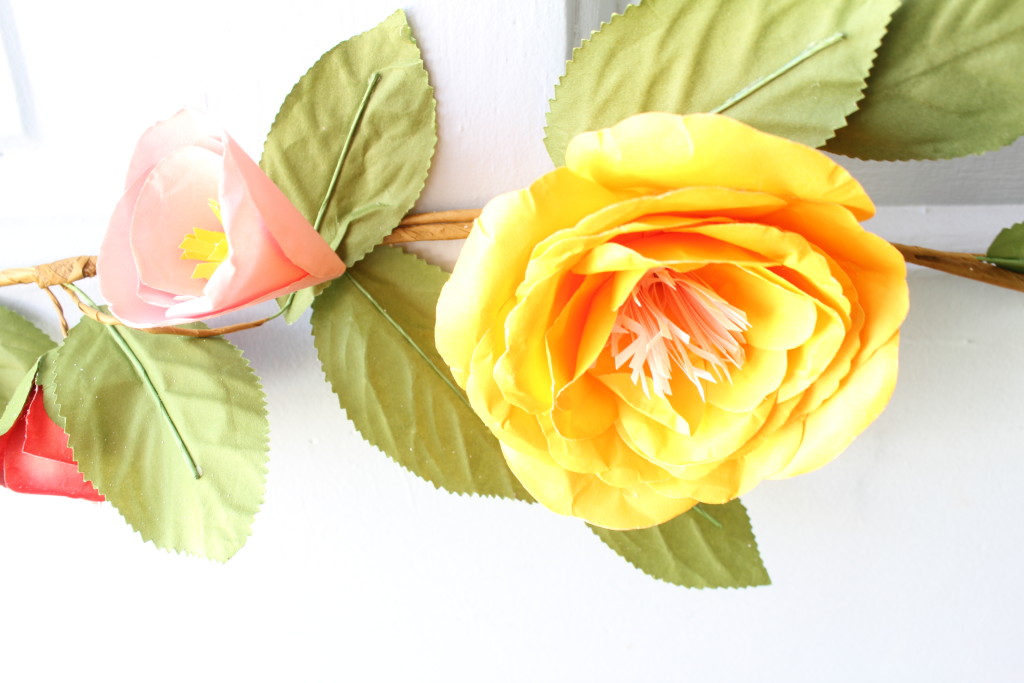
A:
x,y
356,136
130,425
1007,249
46,379
798,66
711,546
374,333
948,82
16,403
21,345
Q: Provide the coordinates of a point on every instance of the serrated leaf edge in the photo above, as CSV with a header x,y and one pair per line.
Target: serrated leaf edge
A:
x,y
632,7
407,34
936,157
373,442
616,16
291,316
33,369
754,545
61,421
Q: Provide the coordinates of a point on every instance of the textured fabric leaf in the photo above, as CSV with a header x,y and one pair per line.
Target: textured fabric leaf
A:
x,y
685,56
389,378
127,447
694,551
1007,249
948,82
47,380
16,402
387,131
21,345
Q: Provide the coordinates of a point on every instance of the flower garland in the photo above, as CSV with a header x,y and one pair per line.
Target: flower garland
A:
x,y
687,305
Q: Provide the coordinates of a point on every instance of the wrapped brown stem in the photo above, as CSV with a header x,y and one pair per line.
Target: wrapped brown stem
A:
x,y
452,225
61,272
964,265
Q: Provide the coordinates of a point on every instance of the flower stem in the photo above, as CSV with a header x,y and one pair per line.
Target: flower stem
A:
x,y
370,85
963,265
405,335
456,225
333,184
704,513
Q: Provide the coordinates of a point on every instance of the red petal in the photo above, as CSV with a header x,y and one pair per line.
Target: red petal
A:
x,y
35,457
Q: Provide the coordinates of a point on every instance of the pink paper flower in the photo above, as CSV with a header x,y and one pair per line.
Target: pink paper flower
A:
x,y
201,231
35,458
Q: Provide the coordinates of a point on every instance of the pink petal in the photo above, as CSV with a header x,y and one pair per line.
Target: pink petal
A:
x,y
174,199
288,227
186,128
118,275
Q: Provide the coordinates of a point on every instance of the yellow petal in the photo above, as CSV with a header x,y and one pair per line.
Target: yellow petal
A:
x,y
745,389
741,472
683,209
719,434
807,362
836,422
684,250
509,423
496,253
585,408
586,496
779,318
653,152
605,455
652,407
565,338
604,310
876,269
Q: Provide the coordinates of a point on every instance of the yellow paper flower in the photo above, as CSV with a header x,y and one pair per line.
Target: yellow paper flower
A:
x,y
688,307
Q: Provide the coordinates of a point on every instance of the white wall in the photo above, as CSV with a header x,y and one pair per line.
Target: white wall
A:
x,y
898,562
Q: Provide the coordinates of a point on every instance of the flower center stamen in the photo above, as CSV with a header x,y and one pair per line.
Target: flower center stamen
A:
x,y
207,246
674,321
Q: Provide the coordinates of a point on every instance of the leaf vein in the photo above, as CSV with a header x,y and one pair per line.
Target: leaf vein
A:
x,y
405,335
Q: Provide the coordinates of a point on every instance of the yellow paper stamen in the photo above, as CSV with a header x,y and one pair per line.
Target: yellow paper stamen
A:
x,y
208,246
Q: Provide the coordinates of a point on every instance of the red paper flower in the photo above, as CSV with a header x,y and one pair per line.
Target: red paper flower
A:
x,y
35,458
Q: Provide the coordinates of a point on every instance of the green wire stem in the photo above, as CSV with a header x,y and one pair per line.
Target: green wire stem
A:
x,y
150,388
410,340
370,86
810,51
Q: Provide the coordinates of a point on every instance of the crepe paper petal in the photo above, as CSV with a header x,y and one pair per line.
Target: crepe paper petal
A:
x,y
711,547
941,86
271,249
783,350
492,263
131,402
373,331
361,121
587,496
35,458
1007,249
795,69
711,151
